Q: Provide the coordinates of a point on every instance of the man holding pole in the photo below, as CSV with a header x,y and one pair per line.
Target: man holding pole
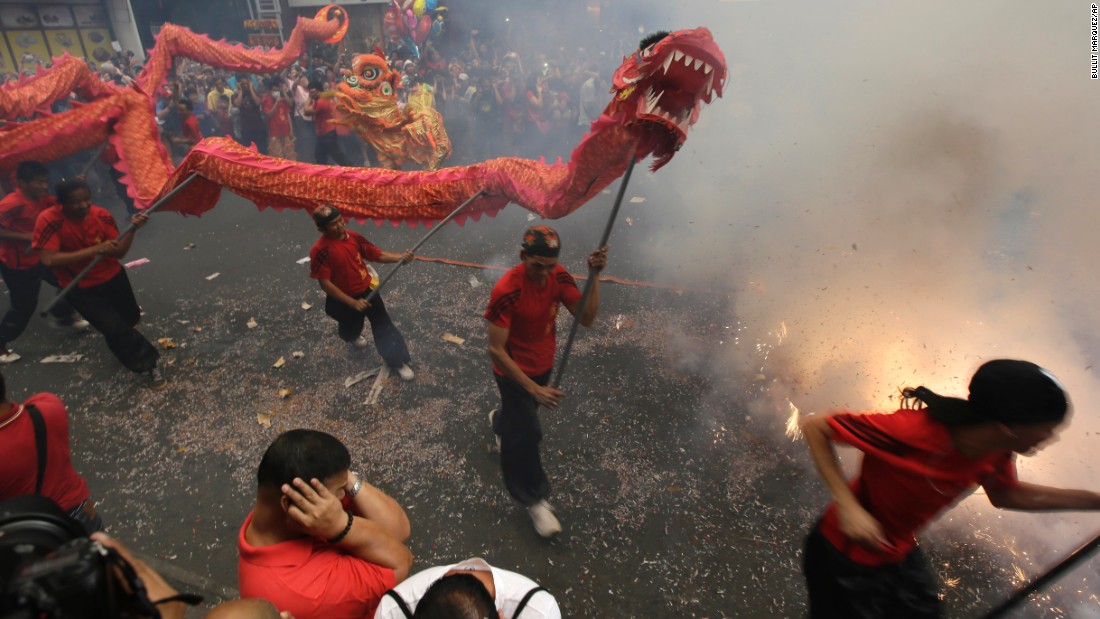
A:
x,y
522,313
19,264
71,236
338,261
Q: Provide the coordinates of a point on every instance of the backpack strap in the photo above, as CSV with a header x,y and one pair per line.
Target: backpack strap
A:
x,y
39,444
526,598
400,602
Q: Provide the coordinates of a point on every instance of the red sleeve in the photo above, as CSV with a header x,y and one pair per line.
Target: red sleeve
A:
x,y
501,302
568,294
368,250
881,434
9,209
106,222
320,266
47,232
1003,476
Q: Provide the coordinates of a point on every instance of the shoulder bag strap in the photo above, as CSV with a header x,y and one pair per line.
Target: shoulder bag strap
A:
x,y
39,443
400,602
526,598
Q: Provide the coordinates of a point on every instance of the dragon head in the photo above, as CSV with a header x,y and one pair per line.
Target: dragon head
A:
x,y
662,87
369,93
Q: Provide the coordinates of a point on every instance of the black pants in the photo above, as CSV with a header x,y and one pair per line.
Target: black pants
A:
x,y
841,588
23,288
387,339
305,138
112,309
328,147
517,423
257,137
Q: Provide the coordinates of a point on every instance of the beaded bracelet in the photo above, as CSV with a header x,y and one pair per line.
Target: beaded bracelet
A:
x,y
344,533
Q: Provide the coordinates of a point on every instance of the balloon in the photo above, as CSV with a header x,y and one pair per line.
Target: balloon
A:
x,y
431,5
437,26
418,8
412,47
391,25
423,29
410,20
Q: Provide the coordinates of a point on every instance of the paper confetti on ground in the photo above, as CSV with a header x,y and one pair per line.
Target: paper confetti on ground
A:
x,y
303,260
212,276
136,263
252,324
637,200
166,343
360,377
454,339
280,362
63,358
306,305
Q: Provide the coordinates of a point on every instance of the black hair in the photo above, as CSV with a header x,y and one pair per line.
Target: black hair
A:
x,y
951,412
653,38
30,170
3,389
307,454
187,104
458,596
66,188
316,83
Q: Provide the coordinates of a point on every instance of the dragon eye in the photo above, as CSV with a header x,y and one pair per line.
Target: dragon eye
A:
x,y
387,89
370,73
352,81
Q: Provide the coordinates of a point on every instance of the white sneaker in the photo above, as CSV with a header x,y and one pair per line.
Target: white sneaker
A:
x,y
74,322
361,342
492,417
406,373
542,515
7,355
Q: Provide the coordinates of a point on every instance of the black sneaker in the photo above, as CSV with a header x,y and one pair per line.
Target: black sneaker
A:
x,y
156,379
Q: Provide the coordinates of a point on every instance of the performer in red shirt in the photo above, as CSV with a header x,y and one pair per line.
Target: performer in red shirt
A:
x,y
70,236
191,133
338,261
19,467
323,109
522,313
862,557
19,264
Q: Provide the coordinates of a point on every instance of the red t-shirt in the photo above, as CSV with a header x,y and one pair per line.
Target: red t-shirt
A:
x,y
278,120
311,579
342,262
191,131
529,312
910,472
18,214
323,109
19,466
55,232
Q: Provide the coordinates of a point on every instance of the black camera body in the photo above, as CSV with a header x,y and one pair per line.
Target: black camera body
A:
x,y
50,568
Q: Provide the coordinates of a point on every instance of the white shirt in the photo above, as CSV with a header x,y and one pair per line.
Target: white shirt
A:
x,y
511,588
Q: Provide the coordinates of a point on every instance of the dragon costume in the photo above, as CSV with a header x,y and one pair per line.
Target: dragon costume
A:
x,y
657,95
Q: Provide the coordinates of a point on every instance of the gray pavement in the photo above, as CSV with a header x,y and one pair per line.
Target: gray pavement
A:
x,y
675,500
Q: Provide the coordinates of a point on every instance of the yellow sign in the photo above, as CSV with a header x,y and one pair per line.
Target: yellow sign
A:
x,y
29,47
62,41
97,42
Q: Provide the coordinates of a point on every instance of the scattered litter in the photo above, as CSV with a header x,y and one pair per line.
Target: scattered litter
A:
x,y
454,339
136,263
379,382
73,358
252,324
197,328
303,260
189,246
637,200
280,362
474,282
284,393
297,354
607,191
629,221
184,322
360,377
212,276
306,305
264,419
531,216
166,343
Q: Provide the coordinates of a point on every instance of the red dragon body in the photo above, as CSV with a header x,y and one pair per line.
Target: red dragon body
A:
x,y
658,93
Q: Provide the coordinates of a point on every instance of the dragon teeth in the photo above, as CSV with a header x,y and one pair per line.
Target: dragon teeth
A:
x,y
687,60
698,63
677,55
707,69
668,62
